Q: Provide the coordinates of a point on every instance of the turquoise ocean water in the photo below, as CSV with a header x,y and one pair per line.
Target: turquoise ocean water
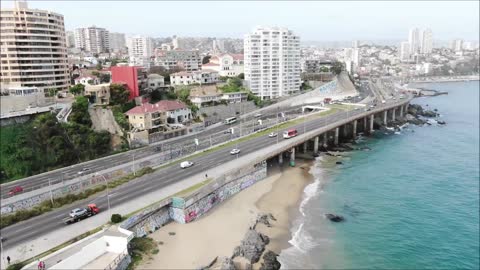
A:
x,y
412,202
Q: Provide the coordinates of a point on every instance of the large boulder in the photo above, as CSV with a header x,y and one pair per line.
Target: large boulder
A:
x,y
270,261
227,264
252,247
334,218
429,114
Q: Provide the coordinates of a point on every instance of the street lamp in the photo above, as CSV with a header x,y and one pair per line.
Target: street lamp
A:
x,y
108,195
51,193
133,164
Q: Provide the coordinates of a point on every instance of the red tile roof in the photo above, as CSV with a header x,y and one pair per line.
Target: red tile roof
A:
x,y
161,106
210,65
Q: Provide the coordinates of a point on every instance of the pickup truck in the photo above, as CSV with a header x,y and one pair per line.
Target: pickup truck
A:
x,y
80,214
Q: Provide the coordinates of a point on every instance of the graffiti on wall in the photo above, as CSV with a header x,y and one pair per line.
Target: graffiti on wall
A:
x,y
152,222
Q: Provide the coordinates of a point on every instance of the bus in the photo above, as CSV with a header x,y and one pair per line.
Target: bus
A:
x,y
290,133
230,120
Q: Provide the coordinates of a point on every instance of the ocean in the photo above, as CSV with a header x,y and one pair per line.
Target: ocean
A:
x,y
411,202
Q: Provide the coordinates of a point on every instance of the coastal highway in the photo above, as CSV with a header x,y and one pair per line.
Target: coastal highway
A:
x,y
71,172
49,222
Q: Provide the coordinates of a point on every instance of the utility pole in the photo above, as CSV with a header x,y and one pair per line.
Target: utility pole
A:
x,y
51,193
277,125
133,164
108,194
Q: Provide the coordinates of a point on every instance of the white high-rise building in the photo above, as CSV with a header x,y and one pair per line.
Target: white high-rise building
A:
x,y
426,41
175,43
33,49
272,62
457,45
414,41
140,50
92,39
405,51
117,42
70,39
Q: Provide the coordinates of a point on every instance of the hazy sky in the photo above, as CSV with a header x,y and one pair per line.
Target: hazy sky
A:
x,y
312,20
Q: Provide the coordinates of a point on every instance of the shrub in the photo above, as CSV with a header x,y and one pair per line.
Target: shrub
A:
x,y
16,266
116,218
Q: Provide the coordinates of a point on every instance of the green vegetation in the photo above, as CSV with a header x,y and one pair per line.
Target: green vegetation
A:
x,y
116,218
47,206
120,117
337,67
305,86
141,247
79,112
77,89
118,94
104,78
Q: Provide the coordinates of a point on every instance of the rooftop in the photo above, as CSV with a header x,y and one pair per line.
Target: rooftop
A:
x,y
163,105
204,90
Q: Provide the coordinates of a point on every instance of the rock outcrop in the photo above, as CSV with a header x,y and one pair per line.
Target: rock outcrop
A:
x,y
334,218
252,246
270,261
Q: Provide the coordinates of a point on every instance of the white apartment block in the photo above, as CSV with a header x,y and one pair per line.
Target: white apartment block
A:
x,y
194,77
140,49
92,39
227,65
405,51
426,41
70,39
414,41
457,45
272,62
117,42
33,49
186,60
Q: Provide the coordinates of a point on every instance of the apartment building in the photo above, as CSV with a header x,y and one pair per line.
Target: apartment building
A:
x,y
227,65
118,42
194,77
272,62
33,49
92,39
152,116
140,49
186,60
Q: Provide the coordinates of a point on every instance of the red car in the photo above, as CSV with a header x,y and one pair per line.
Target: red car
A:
x,y
15,190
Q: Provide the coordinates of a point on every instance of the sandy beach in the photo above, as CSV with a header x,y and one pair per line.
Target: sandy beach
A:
x,y
196,244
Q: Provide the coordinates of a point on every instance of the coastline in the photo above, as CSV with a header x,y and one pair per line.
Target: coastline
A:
x,y
224,228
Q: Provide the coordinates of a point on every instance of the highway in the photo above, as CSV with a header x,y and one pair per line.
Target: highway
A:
x,y
71,172
49,222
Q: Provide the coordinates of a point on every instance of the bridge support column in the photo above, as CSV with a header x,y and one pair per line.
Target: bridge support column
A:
x,y
354,129
365,124
401,111
345,130
305,145
315,144
394,110
406,108
337,132
372,116
385,117
280,159
325,139
292,156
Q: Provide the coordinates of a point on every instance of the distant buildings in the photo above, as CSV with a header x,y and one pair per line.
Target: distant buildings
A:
x,y
117,42
140,49
426,41
185,60
14,99
194,77
92,39
70,39
420,42
87,80
272,62
414,41
33,51
132,77
457,45
227,65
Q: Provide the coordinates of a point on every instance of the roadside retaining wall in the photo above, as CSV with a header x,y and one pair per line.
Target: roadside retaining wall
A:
x,y
188,208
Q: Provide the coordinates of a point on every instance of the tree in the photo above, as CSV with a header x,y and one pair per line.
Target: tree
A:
x,y
206,59
118,94
241,76
337,67
79,112
77,89
52,92
183,94
104,78
99,65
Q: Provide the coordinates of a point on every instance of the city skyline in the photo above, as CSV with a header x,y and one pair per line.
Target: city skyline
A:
x,y
234,19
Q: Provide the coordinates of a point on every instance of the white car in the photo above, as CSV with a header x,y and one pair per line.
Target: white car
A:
x,y
83,171
383,101
77,212
235,151
273,134
186,164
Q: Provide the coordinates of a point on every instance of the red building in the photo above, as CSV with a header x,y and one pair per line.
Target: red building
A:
x,y
132,77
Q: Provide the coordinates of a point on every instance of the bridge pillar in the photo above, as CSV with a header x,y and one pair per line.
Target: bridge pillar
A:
x,y
401,111
315,144
345,130
406,108
325,139
292,156
394,110
305,145
337,132
280,159
354,129
385,117
372,116
365,124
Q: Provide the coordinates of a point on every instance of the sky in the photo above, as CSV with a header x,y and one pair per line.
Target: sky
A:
x,y
311,20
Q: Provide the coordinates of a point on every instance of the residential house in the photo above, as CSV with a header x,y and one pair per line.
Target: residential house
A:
x,y
227,65
194,77
87,80
98,94
156,116
209,94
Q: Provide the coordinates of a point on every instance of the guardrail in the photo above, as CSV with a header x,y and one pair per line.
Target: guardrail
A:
x,y
113,265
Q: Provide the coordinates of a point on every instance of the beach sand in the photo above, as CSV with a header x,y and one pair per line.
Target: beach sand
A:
x,y
196,244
